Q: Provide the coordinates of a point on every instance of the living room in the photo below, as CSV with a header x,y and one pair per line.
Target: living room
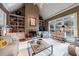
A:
x,y
39,29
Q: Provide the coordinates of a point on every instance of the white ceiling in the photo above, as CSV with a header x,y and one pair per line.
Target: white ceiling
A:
x,y
46,9
12,6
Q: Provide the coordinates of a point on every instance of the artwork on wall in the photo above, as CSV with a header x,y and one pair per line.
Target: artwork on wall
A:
x,y
32,21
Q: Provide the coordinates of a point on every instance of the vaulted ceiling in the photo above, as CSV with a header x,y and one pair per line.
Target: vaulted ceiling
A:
x,y
46,9
12,6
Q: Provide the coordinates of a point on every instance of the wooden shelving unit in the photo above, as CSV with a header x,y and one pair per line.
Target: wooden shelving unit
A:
x,y
41,22
16,22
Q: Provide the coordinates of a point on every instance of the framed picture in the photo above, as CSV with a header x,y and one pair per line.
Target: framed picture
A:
x,y
32,21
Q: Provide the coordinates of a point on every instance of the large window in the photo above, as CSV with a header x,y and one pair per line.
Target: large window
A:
x,y
70,23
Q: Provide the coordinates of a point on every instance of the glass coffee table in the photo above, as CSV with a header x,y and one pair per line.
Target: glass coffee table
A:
x,y
34,49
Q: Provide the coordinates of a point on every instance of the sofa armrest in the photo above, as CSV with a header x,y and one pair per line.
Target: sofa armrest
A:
x,y
71,50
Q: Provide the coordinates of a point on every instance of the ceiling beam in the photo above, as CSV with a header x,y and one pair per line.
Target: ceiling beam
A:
x,y
3,8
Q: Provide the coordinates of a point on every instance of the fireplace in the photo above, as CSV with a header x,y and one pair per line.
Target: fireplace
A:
x,y
32,33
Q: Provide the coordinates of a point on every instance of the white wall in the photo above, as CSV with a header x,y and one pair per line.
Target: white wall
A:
x,y
2,17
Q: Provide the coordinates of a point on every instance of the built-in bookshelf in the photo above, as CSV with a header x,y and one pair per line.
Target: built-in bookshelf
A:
x,y
41,22
16,22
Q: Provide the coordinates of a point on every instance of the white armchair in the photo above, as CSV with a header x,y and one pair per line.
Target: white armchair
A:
x,y
10,49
